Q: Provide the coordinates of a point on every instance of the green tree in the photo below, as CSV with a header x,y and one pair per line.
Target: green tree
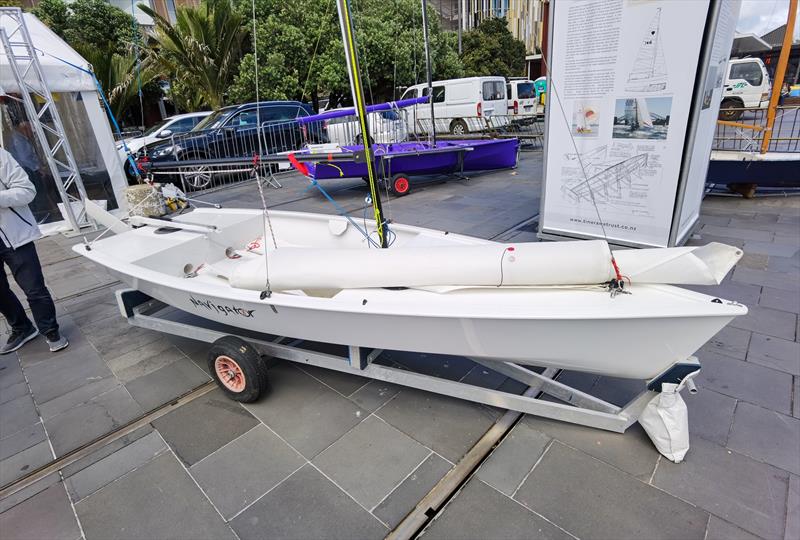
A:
x,y
119,76
491,49
300,52
95,23
202,49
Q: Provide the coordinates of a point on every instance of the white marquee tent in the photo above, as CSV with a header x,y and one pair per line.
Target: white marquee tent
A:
x,y
78,102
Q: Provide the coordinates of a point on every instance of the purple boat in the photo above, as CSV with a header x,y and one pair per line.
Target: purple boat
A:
x,y
398,161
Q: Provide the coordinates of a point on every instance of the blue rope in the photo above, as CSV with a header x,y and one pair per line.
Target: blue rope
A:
x,y
342,212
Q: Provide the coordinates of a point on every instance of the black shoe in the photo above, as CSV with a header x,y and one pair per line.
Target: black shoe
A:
x,y
18,339
56,341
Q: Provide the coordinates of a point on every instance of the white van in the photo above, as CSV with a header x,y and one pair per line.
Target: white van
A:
x,y
521,96
747,84
460,105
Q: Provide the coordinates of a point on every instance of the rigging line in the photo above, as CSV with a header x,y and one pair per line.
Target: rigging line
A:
x,y
138,62
364,49
313,56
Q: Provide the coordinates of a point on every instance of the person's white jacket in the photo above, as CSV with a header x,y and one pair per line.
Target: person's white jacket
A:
x,y
17,224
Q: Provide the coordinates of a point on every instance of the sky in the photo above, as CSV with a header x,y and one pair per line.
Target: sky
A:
x,y
761,16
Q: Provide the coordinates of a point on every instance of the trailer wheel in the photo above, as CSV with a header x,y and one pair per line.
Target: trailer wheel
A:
x,y
400,185
238,369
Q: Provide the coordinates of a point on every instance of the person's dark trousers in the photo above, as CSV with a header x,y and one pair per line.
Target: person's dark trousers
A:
x,y
27,272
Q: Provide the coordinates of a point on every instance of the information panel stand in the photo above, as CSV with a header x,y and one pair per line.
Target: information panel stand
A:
x,y
633,96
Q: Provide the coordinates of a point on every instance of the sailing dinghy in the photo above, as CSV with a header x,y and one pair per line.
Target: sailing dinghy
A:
x,y
544,304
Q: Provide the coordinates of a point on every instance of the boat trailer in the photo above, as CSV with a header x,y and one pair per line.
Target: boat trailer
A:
x,y
236,364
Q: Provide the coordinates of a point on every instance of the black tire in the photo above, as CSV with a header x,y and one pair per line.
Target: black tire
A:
x,y
727,110
248,365
458,127
400,185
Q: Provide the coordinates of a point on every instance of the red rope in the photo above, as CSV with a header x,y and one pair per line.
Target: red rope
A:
x,y
616,268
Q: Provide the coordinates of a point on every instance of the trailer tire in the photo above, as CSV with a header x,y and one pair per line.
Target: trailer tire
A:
x,y
238,369
400,185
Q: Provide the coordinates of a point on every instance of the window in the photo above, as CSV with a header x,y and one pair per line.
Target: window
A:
x,y
749,71
183,125
493,90
526,90
508,91
243,119
278,113
438,93
411,93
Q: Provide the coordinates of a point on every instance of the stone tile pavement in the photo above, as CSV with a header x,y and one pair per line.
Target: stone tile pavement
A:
x,y
329,455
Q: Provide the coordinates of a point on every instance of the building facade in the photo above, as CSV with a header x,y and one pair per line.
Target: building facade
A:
x,y
527,21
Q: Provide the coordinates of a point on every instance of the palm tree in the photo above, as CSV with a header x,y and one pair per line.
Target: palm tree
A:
x,y
202,48
118,74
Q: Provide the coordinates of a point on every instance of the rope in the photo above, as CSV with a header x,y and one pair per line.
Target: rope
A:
x,y
138,62
314,55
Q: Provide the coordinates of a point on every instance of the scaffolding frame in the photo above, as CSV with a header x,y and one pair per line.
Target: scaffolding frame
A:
x,y
28,75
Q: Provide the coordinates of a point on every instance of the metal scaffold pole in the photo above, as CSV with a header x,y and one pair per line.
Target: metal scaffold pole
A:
x,y
780,73
45,120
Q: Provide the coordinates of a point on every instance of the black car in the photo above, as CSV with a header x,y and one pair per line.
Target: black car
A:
x,y
233,132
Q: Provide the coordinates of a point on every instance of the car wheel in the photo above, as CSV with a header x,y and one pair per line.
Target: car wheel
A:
x,y
458,127
730,110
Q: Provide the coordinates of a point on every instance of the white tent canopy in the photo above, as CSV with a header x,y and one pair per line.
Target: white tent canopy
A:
x,y
54,53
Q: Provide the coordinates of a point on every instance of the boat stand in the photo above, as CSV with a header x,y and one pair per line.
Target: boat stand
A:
x,y
575,406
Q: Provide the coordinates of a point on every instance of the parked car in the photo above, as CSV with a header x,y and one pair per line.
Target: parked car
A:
x,y
233,132
384,127
460,105
521,97
747,84
173,125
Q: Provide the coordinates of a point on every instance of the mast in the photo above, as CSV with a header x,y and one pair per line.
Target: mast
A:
x,y
351,57
428,67
780,72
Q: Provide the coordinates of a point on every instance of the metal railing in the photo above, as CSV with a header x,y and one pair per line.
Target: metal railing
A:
x,y
529,129
742,129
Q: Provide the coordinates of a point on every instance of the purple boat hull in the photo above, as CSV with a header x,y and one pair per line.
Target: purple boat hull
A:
x,y
420,158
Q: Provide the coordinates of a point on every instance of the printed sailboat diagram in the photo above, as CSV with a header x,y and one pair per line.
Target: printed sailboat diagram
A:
x,y
649,73
606,180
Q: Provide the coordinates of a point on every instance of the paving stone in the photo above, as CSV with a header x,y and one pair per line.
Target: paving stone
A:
x,y
28,492
591,499
768,278
785,264
104,471
743,293
17,414
57,376
369,461
747,493
748,381
10,372
766,436
23,462
204,425
157,500
374,394
167,383
478,511
105,451
513,458
27,520
710,414
144,360
756,261
449,426
796,403
632,451
729,341
768,321
75,397
770,248
37,350
344,383
780,300
775,353
446,367
114,337
719,529
325,414
306,505
85,422
239,473
396,506
793,509
21,440
737,232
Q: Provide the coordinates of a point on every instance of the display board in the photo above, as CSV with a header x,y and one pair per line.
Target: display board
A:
x,y
622,82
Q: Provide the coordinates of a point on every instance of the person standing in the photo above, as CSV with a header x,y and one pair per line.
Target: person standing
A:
x,y
18,230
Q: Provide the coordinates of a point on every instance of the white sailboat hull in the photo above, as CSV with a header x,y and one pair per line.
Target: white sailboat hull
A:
x,y
637,335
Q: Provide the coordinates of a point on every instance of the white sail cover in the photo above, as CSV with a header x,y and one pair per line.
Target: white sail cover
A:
x,y
494,265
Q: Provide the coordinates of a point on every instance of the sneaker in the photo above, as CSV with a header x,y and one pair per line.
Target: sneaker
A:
x,y
56,341
18,339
